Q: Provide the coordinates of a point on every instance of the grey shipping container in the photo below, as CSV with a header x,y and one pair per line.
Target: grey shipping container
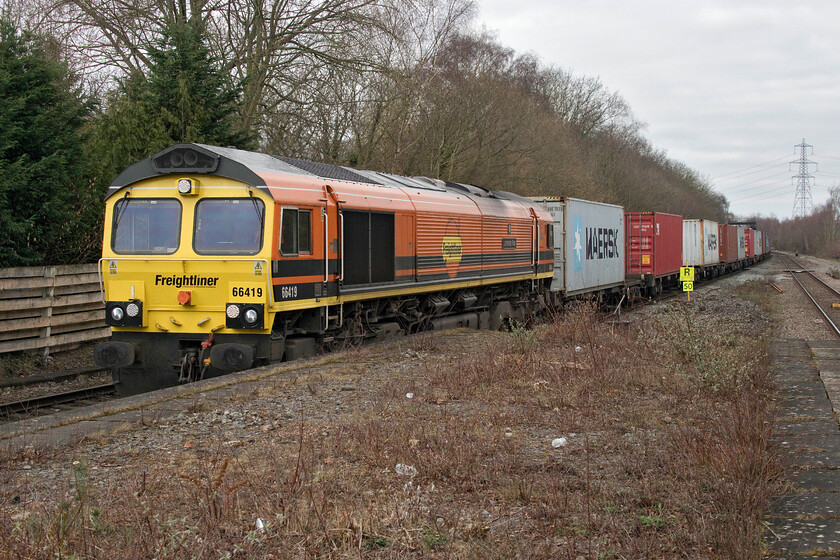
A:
x,y
588,245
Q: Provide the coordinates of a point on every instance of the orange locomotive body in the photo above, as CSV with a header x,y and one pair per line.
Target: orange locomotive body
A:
x,y
409,250
325,255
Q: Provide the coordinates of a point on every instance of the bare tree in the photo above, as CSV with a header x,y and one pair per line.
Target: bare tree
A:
x,y
278,49
587,104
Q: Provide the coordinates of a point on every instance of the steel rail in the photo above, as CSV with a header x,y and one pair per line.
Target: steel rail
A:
x,y
30,405
51,377
807,293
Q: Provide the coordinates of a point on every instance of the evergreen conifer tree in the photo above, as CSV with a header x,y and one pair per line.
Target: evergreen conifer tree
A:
x,y
182,97
45,188
197,103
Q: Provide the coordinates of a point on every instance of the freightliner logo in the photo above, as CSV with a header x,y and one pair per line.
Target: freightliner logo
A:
x,y
184,281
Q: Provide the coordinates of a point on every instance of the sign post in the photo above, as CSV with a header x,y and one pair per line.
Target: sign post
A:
x,y
687,279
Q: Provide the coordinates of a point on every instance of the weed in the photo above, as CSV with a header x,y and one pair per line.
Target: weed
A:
x,y
434,539
668,455
373,543
213,500
524,340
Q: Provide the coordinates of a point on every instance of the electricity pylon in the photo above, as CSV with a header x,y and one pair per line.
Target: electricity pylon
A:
x,y
803,204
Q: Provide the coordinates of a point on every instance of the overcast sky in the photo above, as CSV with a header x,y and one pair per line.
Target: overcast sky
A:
x,y
727,87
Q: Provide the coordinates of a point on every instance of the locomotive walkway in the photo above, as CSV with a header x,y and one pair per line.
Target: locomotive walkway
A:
x,y
805,521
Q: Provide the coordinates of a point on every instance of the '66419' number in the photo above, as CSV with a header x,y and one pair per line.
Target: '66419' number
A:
x,y
288,292
240,291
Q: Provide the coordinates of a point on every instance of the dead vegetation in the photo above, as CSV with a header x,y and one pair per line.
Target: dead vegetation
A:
x,y
573,439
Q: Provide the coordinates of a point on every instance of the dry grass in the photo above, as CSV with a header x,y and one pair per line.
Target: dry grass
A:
x,y
667,455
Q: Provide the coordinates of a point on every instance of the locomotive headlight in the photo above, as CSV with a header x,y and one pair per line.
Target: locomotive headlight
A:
x,y
124,313
117,314
185,186
251,316
244,316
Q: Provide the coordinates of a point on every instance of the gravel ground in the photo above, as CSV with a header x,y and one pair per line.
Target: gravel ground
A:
x,y
21,364
323,391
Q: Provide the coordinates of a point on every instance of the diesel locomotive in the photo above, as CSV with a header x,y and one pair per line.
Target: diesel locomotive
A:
x,y
216,260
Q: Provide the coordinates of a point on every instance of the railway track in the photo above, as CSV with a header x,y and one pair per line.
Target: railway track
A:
x,y
51,377
823,296
32,395
76,397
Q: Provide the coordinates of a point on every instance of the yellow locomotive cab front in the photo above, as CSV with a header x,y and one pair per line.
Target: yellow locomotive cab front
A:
x,y
187,279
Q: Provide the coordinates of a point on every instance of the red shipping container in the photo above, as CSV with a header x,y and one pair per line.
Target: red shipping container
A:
x,y
728,243
749,240
653,244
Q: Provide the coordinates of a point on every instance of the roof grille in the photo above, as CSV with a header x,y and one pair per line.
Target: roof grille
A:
x,y
329,171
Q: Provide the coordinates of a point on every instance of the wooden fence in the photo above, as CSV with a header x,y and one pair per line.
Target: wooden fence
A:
x,y
46,309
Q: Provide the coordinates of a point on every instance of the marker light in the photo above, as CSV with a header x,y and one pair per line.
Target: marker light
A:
x,y
185,186
232,311
132,309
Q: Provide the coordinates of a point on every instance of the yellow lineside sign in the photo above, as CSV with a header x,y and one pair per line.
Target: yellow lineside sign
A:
x,y
688,286
687,274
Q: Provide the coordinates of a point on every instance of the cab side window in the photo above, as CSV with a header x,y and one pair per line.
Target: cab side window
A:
x,y
295,232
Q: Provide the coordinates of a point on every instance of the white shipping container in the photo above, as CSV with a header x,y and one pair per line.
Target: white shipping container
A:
x,y
588,244
759,246
700,243
742,243
692,251
711,252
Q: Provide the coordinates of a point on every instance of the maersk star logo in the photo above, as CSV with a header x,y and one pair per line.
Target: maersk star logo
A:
x,y
578,246
577,224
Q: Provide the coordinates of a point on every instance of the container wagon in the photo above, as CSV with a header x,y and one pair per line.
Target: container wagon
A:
x,y
728,247
653,249
749,244
588,246
700,247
